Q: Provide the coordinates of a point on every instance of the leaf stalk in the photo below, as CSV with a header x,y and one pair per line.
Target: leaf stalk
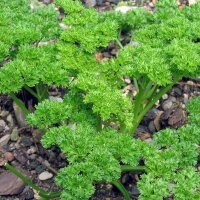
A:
x,y
42,193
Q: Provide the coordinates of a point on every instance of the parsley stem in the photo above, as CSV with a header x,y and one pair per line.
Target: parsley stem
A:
x,y
119,43
41,92
152,101
122,189
19,103
42,193
136,84
31,91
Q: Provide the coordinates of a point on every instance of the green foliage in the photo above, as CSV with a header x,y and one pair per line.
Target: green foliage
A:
x,y
32,65
56,113
194,108
171,170
93,157
27,45
167,50
96,155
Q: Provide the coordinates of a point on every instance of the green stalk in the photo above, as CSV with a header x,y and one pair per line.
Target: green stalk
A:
x,y
136,84
122,189
152,92
38,91
19,103
150,105
42,193
137,104
127,168
44,93
31,91
41,92
119,43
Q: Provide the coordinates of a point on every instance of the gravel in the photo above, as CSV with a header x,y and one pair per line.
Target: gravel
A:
x,y
2,125
167,105
45,176
4,140
10,120
151,127
14,135
27,141
90,3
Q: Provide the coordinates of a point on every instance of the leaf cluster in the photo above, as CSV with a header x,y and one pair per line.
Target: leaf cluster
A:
x,y
167,50
194,110
93,155
27,45
172,169
97,155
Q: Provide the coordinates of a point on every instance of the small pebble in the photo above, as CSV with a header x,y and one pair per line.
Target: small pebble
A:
x,y
165,96
4,140
114,52
109,186
17,145
185,98
127,80
151,114
39,169
47,1
99,2
173,99
19,115
4,113
33,156
14,135
177,91
190,82
10,120
151,127
45,176
183,106
52,98
135,191
62,155
125,9
157,104
31,150
2,125
186,89
33,164
90,3
167,105
141,129
8,156
37,134
149,140
12,147
26,141
20,157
